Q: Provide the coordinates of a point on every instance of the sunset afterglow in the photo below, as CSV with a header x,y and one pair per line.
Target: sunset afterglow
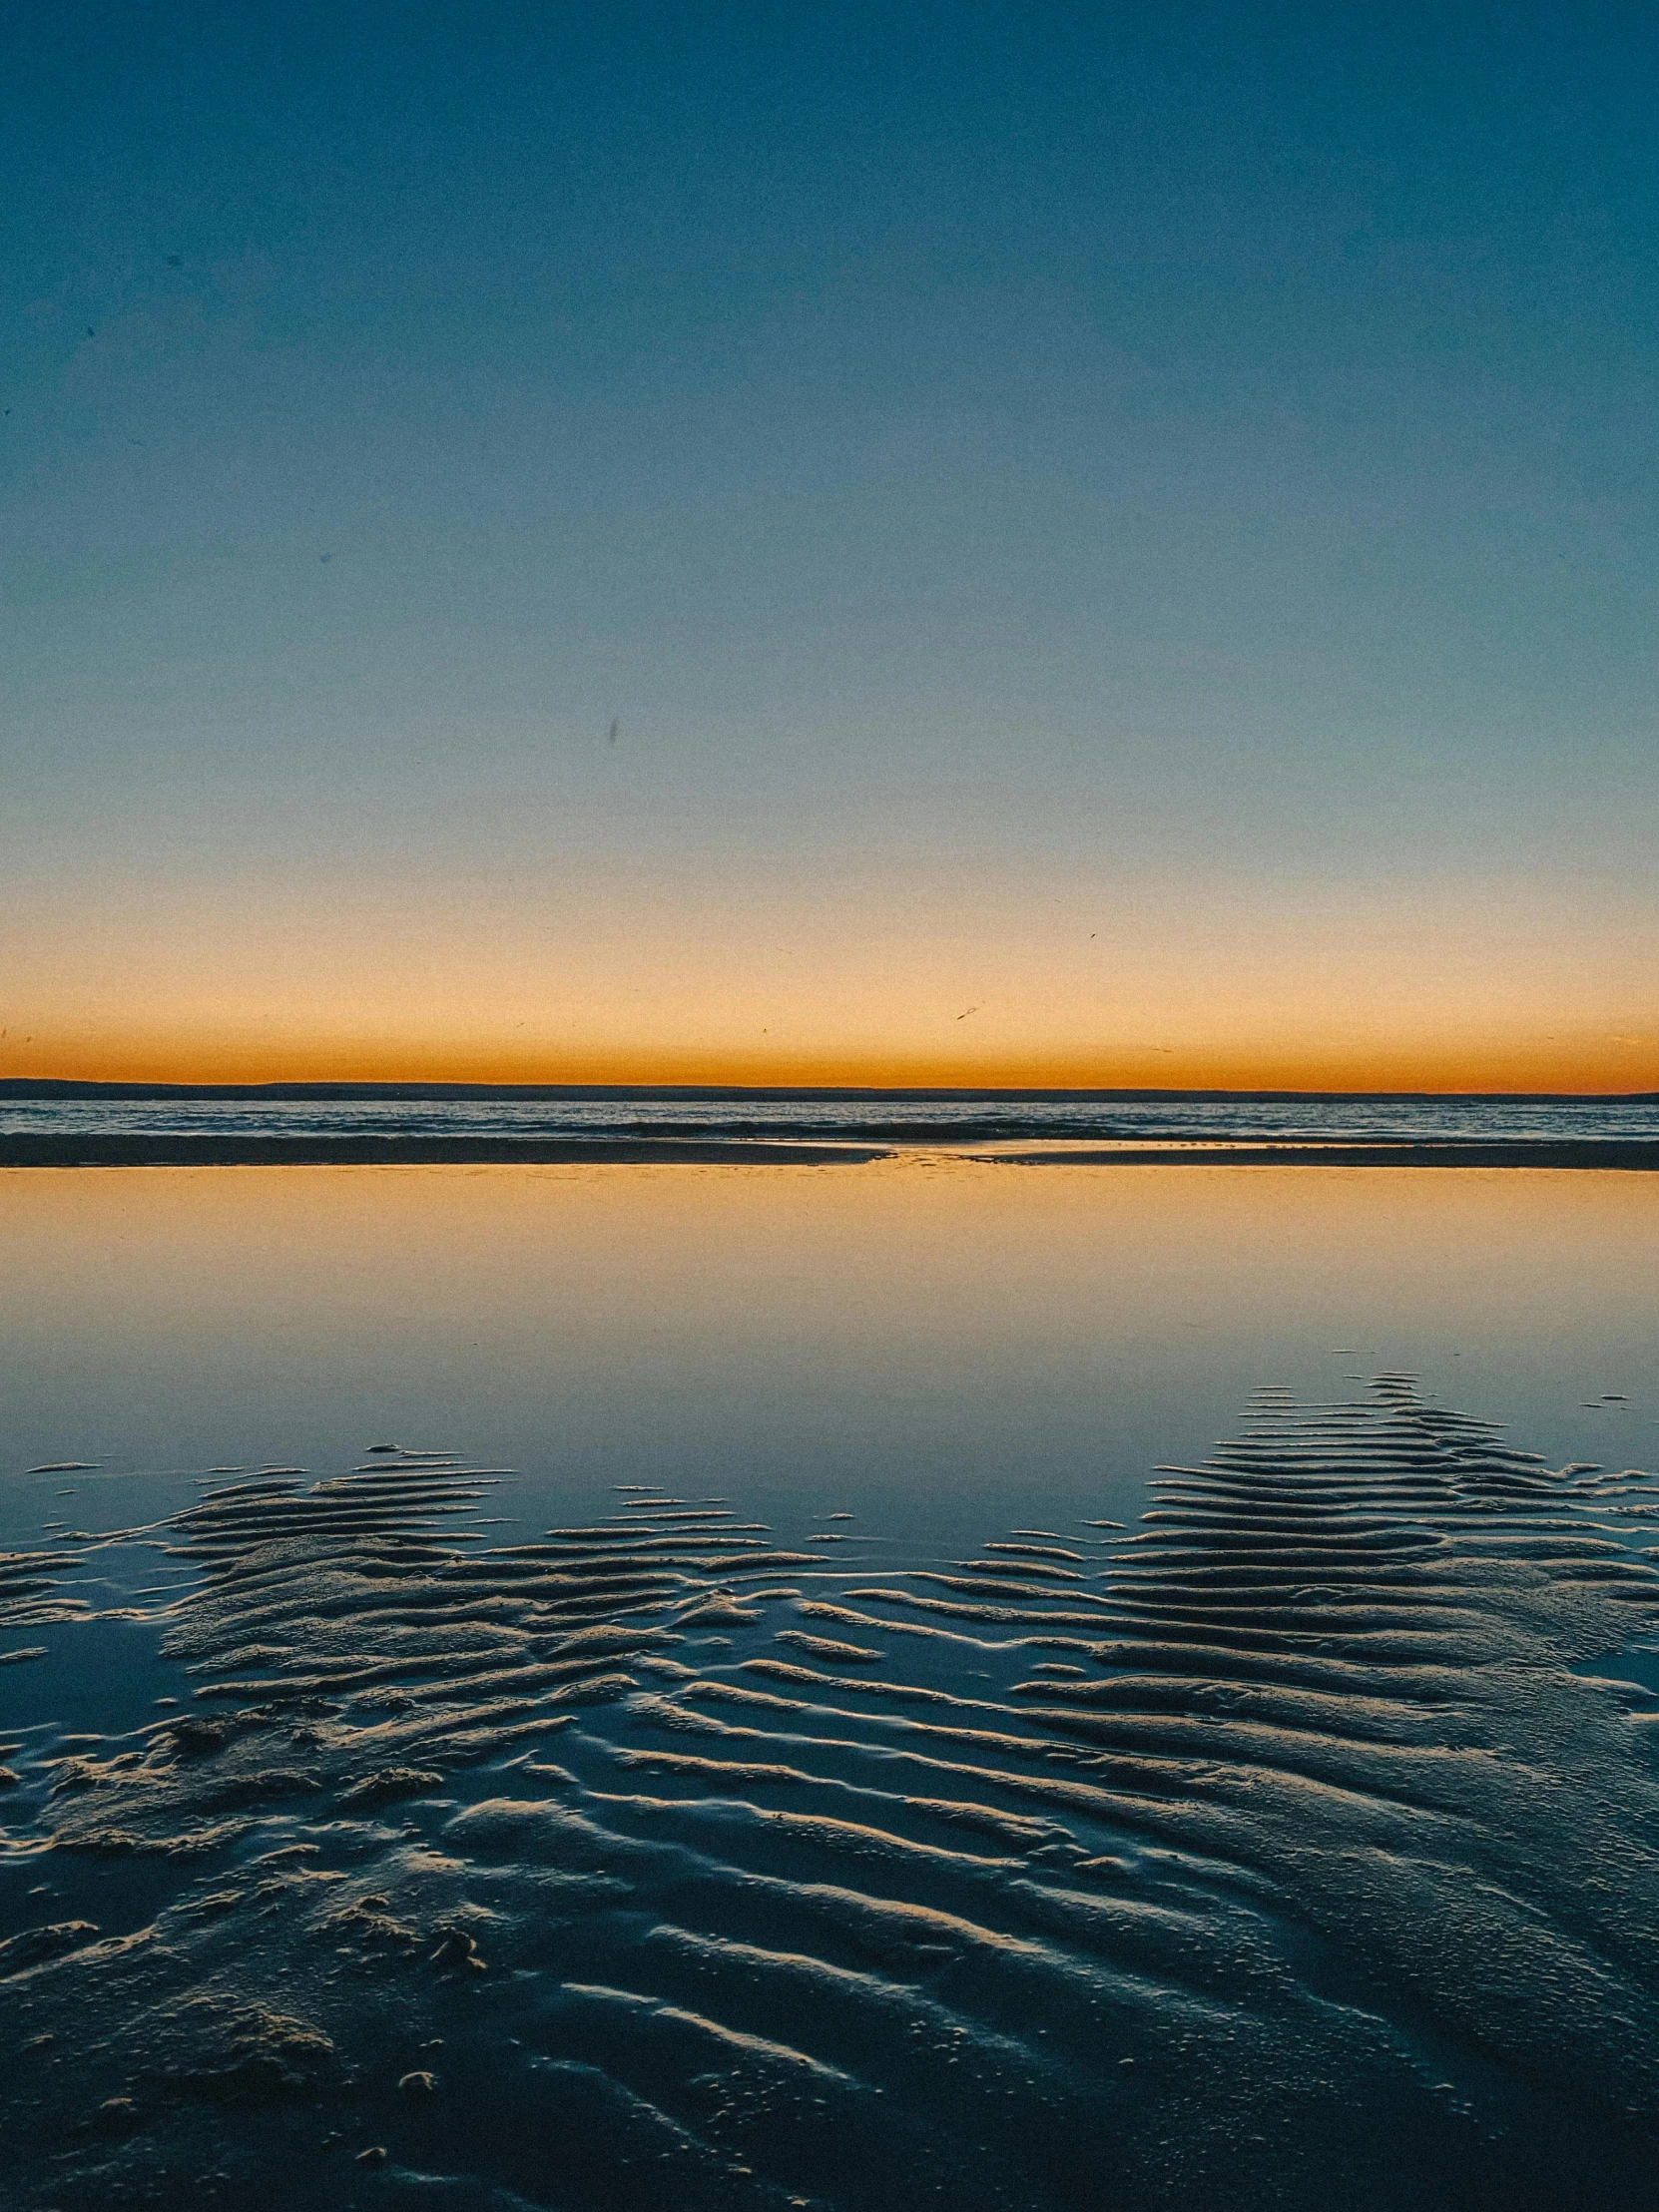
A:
x,y
1087,552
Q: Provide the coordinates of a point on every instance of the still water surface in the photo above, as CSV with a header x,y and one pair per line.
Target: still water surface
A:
x,y
930,1339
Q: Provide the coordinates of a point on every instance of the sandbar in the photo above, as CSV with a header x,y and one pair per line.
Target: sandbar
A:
x,y
192,1149
1520,1152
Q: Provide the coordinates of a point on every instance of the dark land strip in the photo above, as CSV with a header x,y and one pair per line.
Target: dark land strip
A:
x,y
170,1148
118,1149
1629,1152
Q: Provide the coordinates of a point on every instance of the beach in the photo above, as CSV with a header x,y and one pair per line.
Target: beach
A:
x,y
828,1111
762,1683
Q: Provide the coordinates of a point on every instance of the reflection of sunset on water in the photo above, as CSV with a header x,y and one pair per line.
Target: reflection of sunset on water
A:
x,y
924,1331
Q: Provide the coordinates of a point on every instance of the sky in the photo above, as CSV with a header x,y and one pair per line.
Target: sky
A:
x,y
785,543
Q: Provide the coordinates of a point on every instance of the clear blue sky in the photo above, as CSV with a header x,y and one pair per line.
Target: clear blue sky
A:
x,y
1135,521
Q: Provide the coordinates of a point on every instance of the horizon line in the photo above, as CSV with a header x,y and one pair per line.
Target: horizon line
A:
x,y
49,1087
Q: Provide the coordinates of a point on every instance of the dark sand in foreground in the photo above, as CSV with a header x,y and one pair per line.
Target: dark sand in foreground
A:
x,y
1288,1850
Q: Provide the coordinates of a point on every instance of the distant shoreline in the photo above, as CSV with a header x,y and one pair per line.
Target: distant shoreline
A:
x,y
47,1088
186,1150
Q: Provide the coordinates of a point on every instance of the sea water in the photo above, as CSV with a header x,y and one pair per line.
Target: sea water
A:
x,y
933,1118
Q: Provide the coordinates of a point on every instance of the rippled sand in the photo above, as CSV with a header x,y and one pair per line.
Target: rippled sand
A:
x,y
1285,1849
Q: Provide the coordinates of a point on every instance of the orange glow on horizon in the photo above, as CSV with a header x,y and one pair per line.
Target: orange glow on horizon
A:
x,y
1522,1066
1159,987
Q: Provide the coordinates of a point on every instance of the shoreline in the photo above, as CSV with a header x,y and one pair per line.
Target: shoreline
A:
x,y
1628,1154
166,1150
188,1150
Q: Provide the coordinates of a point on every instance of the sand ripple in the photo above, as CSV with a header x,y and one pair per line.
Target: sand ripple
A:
x,y
1285,1850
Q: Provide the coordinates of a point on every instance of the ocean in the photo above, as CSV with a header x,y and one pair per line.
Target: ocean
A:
x,y
886,1118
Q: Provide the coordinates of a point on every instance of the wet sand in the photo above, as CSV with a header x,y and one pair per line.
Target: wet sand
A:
x,y
1283,1850
118,1149
942,1815
191,1150
1602,1153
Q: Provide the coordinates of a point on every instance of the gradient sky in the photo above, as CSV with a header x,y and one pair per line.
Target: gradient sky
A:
x,y
1119,541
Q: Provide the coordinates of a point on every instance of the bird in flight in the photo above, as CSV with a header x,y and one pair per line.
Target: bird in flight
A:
x,y
616,727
